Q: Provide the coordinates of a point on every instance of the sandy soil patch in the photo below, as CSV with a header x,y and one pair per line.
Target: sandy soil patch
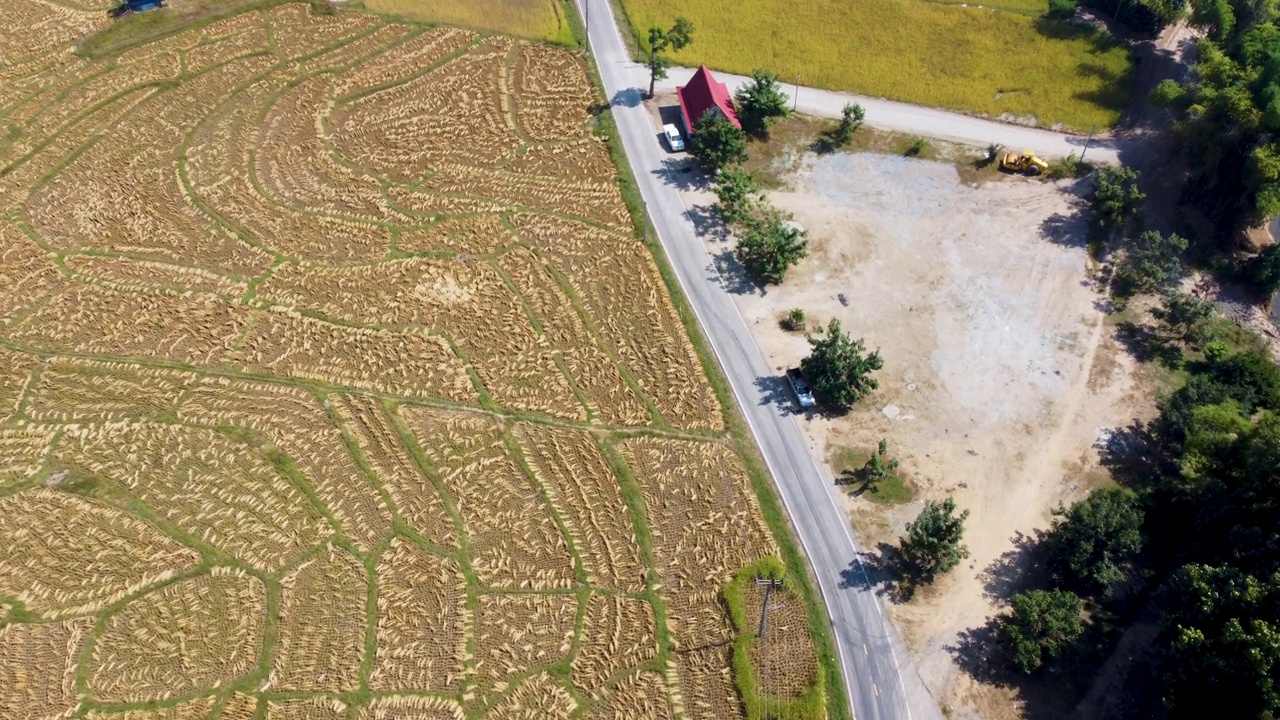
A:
x,y
1000,369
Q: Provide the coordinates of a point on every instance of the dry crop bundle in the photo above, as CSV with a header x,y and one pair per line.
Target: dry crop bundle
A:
x,y
469,113
517,633
297,424
583,162
599,377
706,685
192,635
298,32
411,364
76,391
197,709
552,94
705,520
589,501
423,621
220,490
403,60
322,625
618,634
512,534
22,452
466,235
307,709
639,697
410,707
37,668
89,319
538,697
98,555
295,169
25,270
618,285
413,496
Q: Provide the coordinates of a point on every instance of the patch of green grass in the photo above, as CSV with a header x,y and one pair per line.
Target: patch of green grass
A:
x,y
977,60
546,20
808,706
847,463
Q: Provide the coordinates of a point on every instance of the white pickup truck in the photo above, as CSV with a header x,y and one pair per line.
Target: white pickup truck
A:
x,y
804,395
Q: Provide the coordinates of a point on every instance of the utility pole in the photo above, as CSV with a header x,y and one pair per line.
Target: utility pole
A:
x,y
769,584
586,22
1087,141
796,104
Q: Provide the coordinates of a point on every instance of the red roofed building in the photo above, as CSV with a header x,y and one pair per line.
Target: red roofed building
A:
x,y
704,93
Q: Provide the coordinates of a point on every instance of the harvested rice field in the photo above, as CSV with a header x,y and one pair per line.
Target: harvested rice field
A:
x,y
335,385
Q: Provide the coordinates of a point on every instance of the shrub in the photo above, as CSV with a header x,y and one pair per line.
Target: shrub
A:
x,y
794,321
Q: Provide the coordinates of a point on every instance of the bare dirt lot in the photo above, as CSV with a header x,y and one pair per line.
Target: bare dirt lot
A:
x,y
1000,370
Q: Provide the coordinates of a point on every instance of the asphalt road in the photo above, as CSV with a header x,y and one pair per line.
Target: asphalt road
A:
x,y
882,683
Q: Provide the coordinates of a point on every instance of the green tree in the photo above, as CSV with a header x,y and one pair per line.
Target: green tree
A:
x,y
738,194
677,37
1116,198
932,545
1091,544
1263,270
1149,261
839,368
851,117
1043,626
769,247
716,143
761,102
1211,433
1183,313
1219,653
1061,9
877,467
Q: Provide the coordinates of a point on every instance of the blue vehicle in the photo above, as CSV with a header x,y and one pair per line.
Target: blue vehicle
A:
x,y
132,6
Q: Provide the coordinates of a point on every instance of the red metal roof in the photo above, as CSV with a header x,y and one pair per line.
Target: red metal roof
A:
x,y
703,93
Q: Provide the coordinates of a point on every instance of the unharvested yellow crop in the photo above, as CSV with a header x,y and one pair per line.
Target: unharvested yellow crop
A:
x,y
973,58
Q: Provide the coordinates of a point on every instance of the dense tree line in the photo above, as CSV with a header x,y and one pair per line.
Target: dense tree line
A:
x,y
1229,112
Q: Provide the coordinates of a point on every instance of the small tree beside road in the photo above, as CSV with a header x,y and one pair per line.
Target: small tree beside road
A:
x,y
1116,198
717,143
769,247
932,545
677,37
839,369
851,118
737,194
761,102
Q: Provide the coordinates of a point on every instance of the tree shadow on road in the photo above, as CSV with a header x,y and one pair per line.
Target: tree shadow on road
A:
x,y
733,276
880,572
681,173
707,223
774,391
627,97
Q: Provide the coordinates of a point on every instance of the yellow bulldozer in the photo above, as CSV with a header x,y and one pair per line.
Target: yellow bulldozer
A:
x,y
1025,162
